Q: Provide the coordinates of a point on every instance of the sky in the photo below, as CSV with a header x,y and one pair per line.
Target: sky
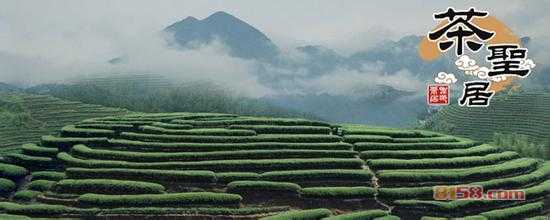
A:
x,y
53,39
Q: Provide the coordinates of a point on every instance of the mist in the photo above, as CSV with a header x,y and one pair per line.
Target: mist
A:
x,y
56,41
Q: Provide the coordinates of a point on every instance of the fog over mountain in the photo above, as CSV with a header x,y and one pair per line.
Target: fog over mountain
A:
x,y
317,79
379,79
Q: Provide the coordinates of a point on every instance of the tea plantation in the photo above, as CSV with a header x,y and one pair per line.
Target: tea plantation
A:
x,y
525,113
221,166
26,117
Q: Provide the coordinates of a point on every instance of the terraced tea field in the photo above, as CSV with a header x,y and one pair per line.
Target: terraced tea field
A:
x,y
521,113
220,166
46,115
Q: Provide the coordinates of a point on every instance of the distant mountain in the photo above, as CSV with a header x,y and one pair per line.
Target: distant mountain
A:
x,y
321,59
401,55
4,87
290,74
383,109
243,40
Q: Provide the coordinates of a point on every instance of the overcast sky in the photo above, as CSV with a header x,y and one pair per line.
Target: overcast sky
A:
x,y
45,37
333,23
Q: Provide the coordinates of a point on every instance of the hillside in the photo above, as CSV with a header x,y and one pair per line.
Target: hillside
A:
x,y
158,93
223,166
525,113
25,117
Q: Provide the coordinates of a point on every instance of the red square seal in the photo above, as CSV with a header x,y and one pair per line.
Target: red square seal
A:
x,y
438,94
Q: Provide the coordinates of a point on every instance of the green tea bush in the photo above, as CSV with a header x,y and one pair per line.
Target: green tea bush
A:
x,y
358,175
41,185
194,147
13,172
225,178
115,127
220,165
280,129
160,200
6,186
312,214
72,131
394,133
44,210
437,163
449,175
425,139
66,144
516,212
522,144
405,192
365,146
533,192
419,154
358,192
86,152
176,176
48,175
14,217
217,211
35,150
26,195
512,182
296,138
364,215
31,162
202,132
106,186
367,138
172,126
388,217
243,187
254,121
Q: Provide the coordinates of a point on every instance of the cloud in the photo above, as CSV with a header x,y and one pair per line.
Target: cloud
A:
x,y
447,78
51,41
465,63
348,82
38,52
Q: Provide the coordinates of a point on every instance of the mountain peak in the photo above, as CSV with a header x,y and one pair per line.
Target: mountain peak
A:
x,y
189,19
221,14
241,38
